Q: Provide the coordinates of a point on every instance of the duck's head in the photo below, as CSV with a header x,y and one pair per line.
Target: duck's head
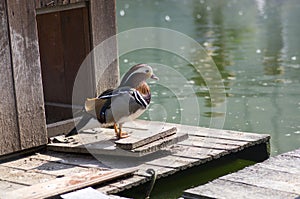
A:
x,y
137,74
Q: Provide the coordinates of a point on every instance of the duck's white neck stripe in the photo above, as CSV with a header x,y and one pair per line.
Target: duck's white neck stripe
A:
x,y
139,98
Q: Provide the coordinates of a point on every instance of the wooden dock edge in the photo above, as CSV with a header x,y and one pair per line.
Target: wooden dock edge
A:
x,y
277,177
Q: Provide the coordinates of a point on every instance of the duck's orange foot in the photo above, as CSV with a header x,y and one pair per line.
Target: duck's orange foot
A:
x,y
119,133
122,135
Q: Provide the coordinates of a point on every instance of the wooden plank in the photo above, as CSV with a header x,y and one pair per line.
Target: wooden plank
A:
x,y
6,186
284,163
219,140
295,153
122,184
277,177
66,184
161,143
71,159
27,73
226,134
9,136
142,138
192,152
211,133
62,127
228,190
102,14
51,168
48,6
22,176
210,145
160,170
178,163
266,178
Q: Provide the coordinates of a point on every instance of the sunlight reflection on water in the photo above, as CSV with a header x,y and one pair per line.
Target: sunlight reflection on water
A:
x,y
255,45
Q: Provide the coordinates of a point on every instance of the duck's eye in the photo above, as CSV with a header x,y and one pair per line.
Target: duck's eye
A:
x,y
146,71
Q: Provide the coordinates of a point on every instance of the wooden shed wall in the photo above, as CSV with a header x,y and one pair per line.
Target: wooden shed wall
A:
x,y
22,112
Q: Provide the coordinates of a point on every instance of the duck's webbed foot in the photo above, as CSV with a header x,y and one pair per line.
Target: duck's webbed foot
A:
x,y
119,133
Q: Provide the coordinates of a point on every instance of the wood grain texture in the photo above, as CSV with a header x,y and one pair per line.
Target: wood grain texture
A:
x,y
27,73
51,3
144,138
66,184
228,190
103,26
9,137
277,177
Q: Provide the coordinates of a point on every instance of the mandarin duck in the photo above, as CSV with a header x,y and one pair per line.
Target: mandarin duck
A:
x,y
117,106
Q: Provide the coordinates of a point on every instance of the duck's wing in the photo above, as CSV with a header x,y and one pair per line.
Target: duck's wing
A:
x,y
114,92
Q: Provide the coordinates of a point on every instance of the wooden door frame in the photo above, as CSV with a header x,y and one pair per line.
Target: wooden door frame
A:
x,y
101,14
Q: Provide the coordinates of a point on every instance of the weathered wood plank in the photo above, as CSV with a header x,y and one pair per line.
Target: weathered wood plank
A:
x,y
66,184
55,3
27,73
161,143
6,186
32,164
9,136
81,160
266,178
160,170
295,153
277,177
62,127
22,176
122,184
178,163
142,138
192,152
211,133
104,57
210,145
219,140
284,163
228,190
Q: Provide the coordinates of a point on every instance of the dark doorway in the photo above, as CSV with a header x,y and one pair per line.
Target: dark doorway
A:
x,y
64,42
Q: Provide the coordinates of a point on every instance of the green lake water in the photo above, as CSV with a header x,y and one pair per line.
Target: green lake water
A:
x,y
256,47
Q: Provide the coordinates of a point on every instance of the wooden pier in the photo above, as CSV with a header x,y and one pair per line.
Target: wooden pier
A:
x,y
39,175
277,177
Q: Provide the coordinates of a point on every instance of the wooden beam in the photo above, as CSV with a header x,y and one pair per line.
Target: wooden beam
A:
x,y
62,127
9,137
103,26
50,9
27,73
